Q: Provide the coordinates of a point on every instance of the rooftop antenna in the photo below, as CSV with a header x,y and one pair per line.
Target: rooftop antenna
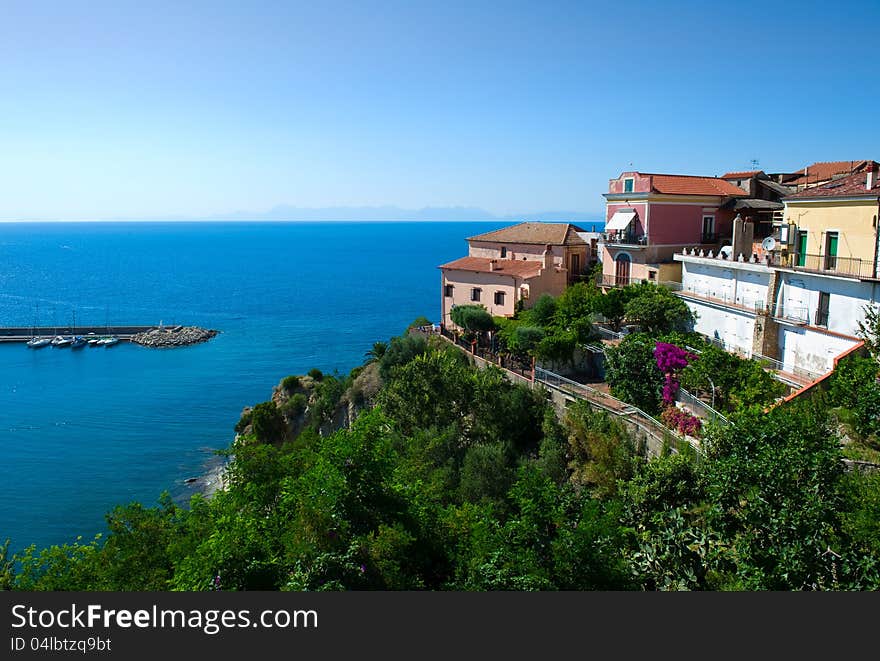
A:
x,y
754,162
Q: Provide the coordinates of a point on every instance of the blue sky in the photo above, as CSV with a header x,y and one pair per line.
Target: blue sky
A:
x,y
153,109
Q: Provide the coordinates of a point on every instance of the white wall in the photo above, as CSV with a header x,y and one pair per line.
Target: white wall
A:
x,y
720,280
809,349
734,328
799,298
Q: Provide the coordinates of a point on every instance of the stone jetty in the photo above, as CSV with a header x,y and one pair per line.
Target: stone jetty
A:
x,y
177,336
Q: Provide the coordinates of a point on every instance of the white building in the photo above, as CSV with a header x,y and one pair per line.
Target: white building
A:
x,y
800,318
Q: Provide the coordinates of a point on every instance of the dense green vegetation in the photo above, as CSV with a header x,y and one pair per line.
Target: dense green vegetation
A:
x,y
457,479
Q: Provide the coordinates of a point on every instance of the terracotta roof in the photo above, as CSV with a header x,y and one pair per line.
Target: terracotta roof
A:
x,y
851,186
554,234
679,184
740,175
521,268
825,171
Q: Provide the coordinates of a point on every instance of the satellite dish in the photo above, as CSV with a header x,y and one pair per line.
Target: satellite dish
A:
x,y
769,244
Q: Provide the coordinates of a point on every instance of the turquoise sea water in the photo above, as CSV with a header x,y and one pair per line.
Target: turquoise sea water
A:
x,y
81,431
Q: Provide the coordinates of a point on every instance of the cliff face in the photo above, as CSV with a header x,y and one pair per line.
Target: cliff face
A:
x,y
327,405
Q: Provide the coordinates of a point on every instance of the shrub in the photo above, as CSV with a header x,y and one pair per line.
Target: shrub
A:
x,y
316,374
269,426
296,405
290,383
243,422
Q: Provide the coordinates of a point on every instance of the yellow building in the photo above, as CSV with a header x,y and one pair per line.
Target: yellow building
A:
x,y
835,226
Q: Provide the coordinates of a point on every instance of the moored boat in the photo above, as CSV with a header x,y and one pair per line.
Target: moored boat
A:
x,y
61,341
38,342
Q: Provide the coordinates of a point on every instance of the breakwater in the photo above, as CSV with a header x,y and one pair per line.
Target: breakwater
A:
x,y
148,336
178,336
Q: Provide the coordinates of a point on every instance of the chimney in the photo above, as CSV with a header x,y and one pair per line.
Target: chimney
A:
x,y
869,182
548,257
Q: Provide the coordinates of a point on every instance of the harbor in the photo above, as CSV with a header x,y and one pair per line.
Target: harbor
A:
x,y
160,336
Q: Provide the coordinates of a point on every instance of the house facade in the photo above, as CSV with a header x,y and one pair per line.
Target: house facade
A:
x,y
650,217
801,302
513,265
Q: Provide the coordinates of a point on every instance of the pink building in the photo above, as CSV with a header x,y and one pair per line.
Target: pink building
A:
x,y
650,217
513,264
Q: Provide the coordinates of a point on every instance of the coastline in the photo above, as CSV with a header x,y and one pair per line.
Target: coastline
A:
x,y
212,479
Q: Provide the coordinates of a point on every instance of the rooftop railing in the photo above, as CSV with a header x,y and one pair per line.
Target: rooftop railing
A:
x,y
826,264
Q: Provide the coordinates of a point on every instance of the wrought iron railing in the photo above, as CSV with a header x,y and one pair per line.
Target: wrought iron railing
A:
x,y
700,408
851,266
626,238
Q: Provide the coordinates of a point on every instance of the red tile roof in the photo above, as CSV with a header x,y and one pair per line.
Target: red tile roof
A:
x,y
679,184
851,186
824,171
519,267
556,234
740,175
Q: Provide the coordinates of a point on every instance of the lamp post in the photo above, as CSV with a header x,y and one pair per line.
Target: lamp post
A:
x,y
711,383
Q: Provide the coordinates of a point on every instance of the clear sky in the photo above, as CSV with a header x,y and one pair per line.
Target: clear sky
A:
x,y
154,109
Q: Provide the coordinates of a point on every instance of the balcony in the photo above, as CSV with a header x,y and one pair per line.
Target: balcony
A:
x,y
826,264
628,238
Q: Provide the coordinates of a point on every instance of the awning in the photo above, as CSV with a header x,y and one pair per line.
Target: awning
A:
x,y
621,219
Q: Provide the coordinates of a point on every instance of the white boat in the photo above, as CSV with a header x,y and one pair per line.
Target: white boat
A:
x,y
78,342
108,341
38,342
61,341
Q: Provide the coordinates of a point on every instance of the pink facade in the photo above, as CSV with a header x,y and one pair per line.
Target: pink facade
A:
x,y
641,183
673,211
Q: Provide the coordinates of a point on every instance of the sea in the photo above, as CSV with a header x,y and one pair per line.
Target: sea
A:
x,y
84,430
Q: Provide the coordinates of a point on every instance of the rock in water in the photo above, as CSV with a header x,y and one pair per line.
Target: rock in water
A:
x,y
179,336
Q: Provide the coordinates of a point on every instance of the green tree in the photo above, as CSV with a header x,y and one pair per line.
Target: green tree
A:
x,y
376,353
400,352
657,310
472,318
632,373
774,484
612,305
603,453
542,312
268,423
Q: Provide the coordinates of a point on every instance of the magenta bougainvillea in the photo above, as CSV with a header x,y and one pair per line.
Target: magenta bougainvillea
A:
x,y
671,359
686,423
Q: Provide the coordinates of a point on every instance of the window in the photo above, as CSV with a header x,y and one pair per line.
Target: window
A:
x,y
831,251
708,233
499,298
448,290
802,249
822,311
475,293
503,252
652,275
628,185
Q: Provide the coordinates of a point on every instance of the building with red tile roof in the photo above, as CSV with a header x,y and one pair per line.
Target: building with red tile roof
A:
x,y
649,216
513,265
817,174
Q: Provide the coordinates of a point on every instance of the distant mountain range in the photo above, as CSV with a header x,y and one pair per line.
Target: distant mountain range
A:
x,y
287,212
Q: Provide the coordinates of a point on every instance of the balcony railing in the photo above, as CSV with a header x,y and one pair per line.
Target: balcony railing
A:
x,y
833,264
626,238
617,281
